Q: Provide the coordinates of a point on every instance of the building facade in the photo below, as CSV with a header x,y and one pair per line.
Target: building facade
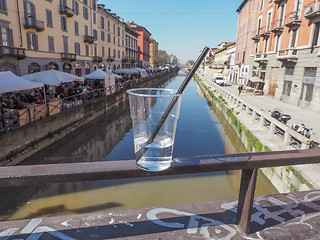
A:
x,y
153,53
244,46
143,45
131,56
287,52
75,36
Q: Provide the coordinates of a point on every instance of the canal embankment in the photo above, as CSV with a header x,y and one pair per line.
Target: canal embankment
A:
x,y
37,135
260,132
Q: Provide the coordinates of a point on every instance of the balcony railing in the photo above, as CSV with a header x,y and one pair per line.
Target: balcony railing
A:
x,y
97,59
277,26
32,22
261,57
110,59
292,20
66,11
68,57
265,31
88,39
311,12
287,55
12,52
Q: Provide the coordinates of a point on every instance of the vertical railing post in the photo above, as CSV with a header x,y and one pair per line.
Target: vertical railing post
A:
x,y
246,196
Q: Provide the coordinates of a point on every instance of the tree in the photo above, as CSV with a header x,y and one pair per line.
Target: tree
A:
x,y
163,58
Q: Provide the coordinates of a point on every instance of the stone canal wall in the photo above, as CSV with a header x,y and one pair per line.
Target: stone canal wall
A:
x,y
29,139
285,179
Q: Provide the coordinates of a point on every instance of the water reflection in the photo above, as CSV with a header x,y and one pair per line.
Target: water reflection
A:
x,y
110,138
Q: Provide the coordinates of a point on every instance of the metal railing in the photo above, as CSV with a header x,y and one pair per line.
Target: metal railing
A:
x,y
15,118
249,163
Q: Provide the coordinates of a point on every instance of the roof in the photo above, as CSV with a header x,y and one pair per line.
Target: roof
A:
x,y
241,5
137,26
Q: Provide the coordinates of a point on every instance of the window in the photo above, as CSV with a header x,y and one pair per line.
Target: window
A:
x,y
261,5
49,17
95,35
102,35
75,5
114,40
65,44
63,23
6,37
293,38
94,18
102,51
3,6
114,53
109,52
87,50
118,31
85,13
51,43
76,28
315,38
102,22
85,2
114,28
94,5
77,48
119,54
108,26
109,38
32,41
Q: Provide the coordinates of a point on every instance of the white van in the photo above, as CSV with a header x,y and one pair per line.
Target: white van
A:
x,y
218,79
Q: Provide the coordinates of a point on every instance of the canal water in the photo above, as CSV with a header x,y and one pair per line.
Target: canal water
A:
x,y
199,133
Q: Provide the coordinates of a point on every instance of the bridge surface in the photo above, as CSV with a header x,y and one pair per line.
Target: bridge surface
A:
x,y
285,216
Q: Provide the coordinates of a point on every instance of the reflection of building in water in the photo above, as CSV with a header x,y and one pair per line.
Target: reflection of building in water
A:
x,y
199,92
96,150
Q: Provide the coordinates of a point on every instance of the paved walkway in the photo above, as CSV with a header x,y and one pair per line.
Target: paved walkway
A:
x,y
298,115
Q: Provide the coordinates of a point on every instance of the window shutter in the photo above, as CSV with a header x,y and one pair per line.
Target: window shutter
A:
x,y
28,40
36,47
10,37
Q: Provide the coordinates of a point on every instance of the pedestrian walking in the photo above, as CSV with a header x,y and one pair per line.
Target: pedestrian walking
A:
x,y
240,89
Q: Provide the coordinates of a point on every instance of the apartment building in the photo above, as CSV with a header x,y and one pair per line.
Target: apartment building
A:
x,y
143,45
131,56
154,47
247,15
286,53
75,36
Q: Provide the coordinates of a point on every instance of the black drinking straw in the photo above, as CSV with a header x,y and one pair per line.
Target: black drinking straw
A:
x,y
184,84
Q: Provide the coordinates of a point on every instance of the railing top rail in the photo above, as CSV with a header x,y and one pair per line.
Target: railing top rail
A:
x,y
88,171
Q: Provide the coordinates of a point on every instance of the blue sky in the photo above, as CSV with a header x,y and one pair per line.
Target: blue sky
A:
x,y
182,27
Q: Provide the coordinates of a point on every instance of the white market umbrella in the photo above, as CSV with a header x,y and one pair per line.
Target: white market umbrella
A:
x,y
9,82
52,77
100,74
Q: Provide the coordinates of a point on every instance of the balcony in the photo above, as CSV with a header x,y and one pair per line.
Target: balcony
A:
x,y
261,57
97,59
64,10
292,20
278,1
125,60
277,26
32,23
266,33
311,12
289,55
68,57
110,59
88,39
19,53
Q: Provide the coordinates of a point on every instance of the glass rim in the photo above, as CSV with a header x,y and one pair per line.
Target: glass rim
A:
x,y
172,92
